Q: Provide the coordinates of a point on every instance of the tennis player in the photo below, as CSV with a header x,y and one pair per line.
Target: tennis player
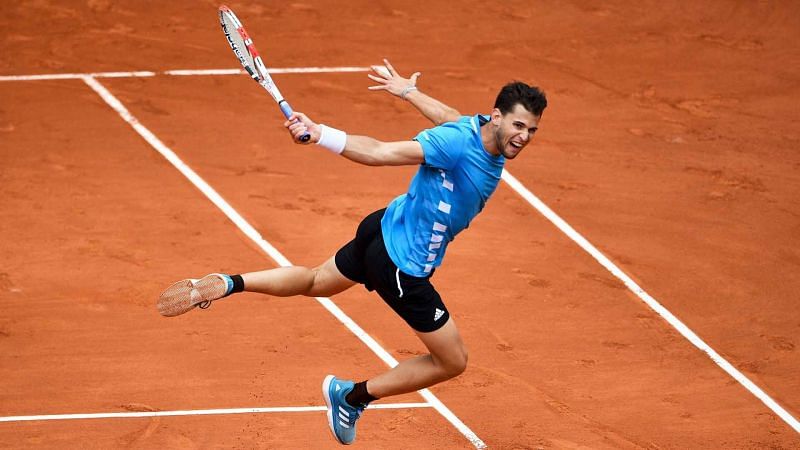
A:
x,y
397,249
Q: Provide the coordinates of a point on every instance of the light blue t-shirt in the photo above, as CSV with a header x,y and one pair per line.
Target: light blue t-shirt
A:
x,y
449,190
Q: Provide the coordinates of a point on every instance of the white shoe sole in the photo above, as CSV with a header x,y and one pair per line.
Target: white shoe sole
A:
x,y
326,386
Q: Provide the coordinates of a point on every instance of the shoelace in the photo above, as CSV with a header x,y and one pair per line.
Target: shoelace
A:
x,y
355,414
351,420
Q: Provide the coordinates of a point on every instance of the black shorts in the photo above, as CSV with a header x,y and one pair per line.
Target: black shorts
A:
x,y
364,260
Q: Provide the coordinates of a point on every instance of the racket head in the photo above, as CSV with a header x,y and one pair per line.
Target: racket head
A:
x,y
245,51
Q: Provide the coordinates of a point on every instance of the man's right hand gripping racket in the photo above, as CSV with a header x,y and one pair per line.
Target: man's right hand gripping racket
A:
x,y
245,51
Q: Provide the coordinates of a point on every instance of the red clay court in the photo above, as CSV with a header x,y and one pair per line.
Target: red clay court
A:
x,y
634,282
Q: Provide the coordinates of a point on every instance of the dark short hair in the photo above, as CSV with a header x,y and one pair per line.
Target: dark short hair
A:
x,y
530,97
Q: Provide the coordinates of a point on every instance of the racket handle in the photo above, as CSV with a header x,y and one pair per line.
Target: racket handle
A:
x,y
287,112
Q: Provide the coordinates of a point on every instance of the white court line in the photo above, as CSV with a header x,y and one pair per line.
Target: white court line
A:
x,y
272,71
75,76
205,72
256,237
197,412
138,74
650,301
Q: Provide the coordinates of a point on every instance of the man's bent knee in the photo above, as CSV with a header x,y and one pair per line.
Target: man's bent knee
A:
x,y
327,280
456,364
447,350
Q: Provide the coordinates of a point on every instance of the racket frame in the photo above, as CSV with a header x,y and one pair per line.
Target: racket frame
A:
x,y
259,72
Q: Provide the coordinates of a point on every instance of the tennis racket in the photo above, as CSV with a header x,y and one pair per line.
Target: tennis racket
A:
x,y
245,51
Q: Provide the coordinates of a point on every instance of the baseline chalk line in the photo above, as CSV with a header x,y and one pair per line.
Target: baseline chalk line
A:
x,y
197,412
676,323
256,237
179,72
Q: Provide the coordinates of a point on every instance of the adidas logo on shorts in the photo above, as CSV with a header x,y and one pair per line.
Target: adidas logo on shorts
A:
x,y
438,315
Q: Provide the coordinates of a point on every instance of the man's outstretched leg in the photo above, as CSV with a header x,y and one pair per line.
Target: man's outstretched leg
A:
x,y
183,296
347,400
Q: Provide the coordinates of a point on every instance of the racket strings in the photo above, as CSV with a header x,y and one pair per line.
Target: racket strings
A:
x,y
234,34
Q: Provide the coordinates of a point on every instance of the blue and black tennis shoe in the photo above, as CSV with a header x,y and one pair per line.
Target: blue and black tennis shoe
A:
x,y
341,416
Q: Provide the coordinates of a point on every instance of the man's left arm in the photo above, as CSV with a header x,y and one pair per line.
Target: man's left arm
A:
x,y
406,88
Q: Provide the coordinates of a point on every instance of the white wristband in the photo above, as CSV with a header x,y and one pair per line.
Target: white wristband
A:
x,y
406,91
332,139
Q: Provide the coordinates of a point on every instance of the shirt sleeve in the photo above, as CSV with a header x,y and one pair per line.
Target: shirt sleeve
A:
x,y
442,145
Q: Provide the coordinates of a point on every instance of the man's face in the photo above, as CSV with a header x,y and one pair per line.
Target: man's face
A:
x,y
514,130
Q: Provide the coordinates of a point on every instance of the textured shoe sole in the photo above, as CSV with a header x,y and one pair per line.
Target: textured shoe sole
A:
x,y
185,295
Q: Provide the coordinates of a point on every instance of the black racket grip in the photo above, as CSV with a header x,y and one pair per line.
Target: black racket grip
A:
x,y
287,112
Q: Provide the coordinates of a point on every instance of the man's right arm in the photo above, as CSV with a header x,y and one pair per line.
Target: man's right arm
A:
x,y
361,149
372,152
406,88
